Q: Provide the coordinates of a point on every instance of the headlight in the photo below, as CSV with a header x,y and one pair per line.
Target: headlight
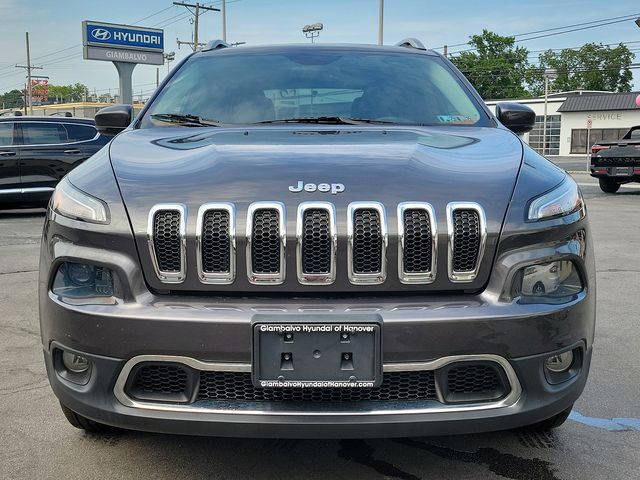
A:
x,y
563,200
70,202
81,280
552,282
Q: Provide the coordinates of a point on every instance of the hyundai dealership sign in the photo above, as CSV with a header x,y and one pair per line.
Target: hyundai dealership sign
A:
x,y
122,43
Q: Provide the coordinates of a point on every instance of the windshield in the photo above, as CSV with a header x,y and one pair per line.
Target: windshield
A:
x,y
235,87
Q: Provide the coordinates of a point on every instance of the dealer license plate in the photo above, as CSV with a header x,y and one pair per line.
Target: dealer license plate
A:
x,y
317,354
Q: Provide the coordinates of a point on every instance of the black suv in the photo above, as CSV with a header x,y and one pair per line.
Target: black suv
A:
x,y
317,240
36,152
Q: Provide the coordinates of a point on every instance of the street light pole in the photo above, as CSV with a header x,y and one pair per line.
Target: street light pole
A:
x,y
549,73
168,58
381,23
224,20
312,31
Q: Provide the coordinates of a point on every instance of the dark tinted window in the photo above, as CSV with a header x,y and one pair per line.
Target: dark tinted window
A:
x,y
402,88
582,139
43,133
634,134
6,134
79,133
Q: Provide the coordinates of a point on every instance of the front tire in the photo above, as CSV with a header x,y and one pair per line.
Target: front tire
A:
x,y
86,424
609,185
550,423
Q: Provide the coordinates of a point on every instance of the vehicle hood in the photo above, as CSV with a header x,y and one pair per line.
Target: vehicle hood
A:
x,y
438,165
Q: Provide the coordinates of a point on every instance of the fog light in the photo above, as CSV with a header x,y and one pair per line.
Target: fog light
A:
x,y
75,363
559,363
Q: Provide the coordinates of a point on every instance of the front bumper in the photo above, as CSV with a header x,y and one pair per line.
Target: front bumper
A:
x,y
417,332
538,400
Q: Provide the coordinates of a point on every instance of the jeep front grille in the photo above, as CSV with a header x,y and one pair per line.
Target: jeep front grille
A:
x,y
317,240
215,234
467,236
317,253
266,237
167,241
417,246
367,232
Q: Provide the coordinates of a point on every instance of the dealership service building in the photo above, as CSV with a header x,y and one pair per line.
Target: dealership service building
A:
x,y
577,120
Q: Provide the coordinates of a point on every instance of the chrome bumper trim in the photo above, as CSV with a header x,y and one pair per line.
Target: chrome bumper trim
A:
x,y
508,401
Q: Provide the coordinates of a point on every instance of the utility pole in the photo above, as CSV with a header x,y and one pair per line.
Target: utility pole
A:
x,y
196,17
381,23
28,67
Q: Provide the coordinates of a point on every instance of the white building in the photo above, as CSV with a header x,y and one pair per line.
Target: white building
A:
x,y
577,120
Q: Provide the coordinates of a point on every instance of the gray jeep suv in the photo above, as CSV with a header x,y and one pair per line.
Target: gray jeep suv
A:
x,y
317,241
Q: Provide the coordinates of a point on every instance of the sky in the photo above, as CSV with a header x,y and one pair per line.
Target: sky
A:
x,y
56,35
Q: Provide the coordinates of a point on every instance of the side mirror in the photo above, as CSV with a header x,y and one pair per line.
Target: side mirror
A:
x,y
517,118
114,119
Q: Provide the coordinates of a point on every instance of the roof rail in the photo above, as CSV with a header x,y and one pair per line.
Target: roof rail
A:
x,y
215,44
411,43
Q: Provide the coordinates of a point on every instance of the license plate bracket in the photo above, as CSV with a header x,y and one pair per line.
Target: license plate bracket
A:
x,y
621,171
317,351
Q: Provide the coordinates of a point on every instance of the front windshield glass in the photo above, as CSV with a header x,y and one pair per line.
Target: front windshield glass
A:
x,y
234,87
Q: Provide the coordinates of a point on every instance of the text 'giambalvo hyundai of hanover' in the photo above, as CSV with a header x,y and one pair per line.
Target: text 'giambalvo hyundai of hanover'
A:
x,y
317,241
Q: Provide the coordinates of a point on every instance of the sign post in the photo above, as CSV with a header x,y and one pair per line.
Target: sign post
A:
x,y
125,46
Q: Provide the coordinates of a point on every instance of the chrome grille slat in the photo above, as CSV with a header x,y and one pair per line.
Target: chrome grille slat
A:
x,y
417,245
316,243
166,239
368,239
266,240
467,238
216,243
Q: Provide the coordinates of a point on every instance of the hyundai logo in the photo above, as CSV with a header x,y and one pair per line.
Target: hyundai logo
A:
x,y
101,34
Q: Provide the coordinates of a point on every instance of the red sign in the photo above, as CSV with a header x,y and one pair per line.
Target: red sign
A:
x,y
589,124
40,89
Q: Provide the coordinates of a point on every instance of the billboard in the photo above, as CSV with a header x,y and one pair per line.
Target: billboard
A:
x,y
122,43
40,89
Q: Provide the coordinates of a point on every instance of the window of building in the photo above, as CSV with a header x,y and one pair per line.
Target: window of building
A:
x,y
582,140
536,137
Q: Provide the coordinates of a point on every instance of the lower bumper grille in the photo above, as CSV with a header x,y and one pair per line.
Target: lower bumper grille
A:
x,y
238,386
458,382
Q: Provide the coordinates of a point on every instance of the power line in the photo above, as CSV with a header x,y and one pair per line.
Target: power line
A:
x,y
196,18
582,26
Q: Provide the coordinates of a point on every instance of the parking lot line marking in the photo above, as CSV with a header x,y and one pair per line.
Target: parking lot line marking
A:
x,y
610,424
582,184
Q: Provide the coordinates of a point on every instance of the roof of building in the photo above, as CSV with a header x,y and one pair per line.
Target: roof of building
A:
x,y
595,103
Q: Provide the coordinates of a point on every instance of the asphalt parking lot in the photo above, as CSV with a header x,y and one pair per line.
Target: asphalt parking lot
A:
x,y
601,440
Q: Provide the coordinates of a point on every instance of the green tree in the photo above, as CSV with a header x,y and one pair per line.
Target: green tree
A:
x,y
12,99
496,68
68,93
591,67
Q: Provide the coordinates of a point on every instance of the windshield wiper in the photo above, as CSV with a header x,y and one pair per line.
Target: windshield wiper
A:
x,y
329,120
185,119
